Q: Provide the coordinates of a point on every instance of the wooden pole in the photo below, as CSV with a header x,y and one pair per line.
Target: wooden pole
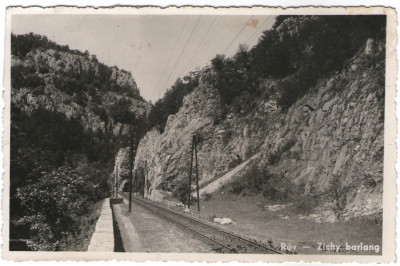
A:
x,y
136,184
146,173
190,175
130,168
116,182
197,173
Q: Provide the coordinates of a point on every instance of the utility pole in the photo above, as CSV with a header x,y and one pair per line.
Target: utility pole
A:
x,y
146,177
131,138
190,175
194,150
136,184
197,173
116,182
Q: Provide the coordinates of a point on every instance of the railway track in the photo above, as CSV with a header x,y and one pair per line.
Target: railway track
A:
x,y
222,241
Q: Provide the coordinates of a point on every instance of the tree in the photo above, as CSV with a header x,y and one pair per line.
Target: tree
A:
x,y
338,193
120,112
52,207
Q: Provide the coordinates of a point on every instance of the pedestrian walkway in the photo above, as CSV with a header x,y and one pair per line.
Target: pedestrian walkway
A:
x,y
103,236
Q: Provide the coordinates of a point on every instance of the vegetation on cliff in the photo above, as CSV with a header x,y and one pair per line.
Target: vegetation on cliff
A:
x,y
301,124
172,100
295,53
61,156
57,173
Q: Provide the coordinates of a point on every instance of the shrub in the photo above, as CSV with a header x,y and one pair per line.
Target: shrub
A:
x,y
43,69
120,112
276,156
25,76
172,100
237,187
181,192
259,181
338,194
207,196
100,111
23,44
53,207
320,45
38,91
305,204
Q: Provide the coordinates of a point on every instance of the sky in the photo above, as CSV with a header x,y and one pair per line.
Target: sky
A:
x,y
156,49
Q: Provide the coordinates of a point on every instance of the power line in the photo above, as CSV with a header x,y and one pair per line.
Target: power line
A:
x,y
258,31
211,36
262,29
191,61
180,55
237,35
173,50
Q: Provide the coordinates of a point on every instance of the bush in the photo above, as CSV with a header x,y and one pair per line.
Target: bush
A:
x,y
305,204
100,112
172,100
23,44
53,208
259,181
120,112
25,76
43,70
275,157
57,171
181,192
237,187
319,47
207,196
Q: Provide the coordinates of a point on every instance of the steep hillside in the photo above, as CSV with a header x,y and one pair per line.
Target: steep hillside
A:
x,y
325,143
69,115
75,84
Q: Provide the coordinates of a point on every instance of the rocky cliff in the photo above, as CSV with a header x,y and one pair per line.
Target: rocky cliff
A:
x,y
75,84
329,144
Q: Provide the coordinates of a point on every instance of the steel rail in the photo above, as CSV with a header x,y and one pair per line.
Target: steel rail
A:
x,y
203,224
143,203
185,226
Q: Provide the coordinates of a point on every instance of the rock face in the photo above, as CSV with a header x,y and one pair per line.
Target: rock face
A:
x,y
330,139
64,78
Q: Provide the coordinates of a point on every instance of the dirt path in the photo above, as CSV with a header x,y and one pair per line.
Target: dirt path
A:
x,y
144,231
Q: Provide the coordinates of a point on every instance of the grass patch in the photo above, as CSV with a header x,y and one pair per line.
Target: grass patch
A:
x,y
266,225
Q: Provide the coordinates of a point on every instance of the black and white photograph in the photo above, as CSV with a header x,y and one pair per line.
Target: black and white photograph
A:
x,y
260,133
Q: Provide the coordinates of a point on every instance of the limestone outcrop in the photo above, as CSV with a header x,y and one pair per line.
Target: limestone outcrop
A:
x,y
64,77
330,139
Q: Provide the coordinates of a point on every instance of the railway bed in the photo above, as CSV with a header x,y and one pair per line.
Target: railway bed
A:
x,y
222,240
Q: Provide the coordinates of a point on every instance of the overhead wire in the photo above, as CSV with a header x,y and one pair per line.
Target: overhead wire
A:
x,y
211,31
258,31
211,36
191,60
183,50
173,49
237,35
